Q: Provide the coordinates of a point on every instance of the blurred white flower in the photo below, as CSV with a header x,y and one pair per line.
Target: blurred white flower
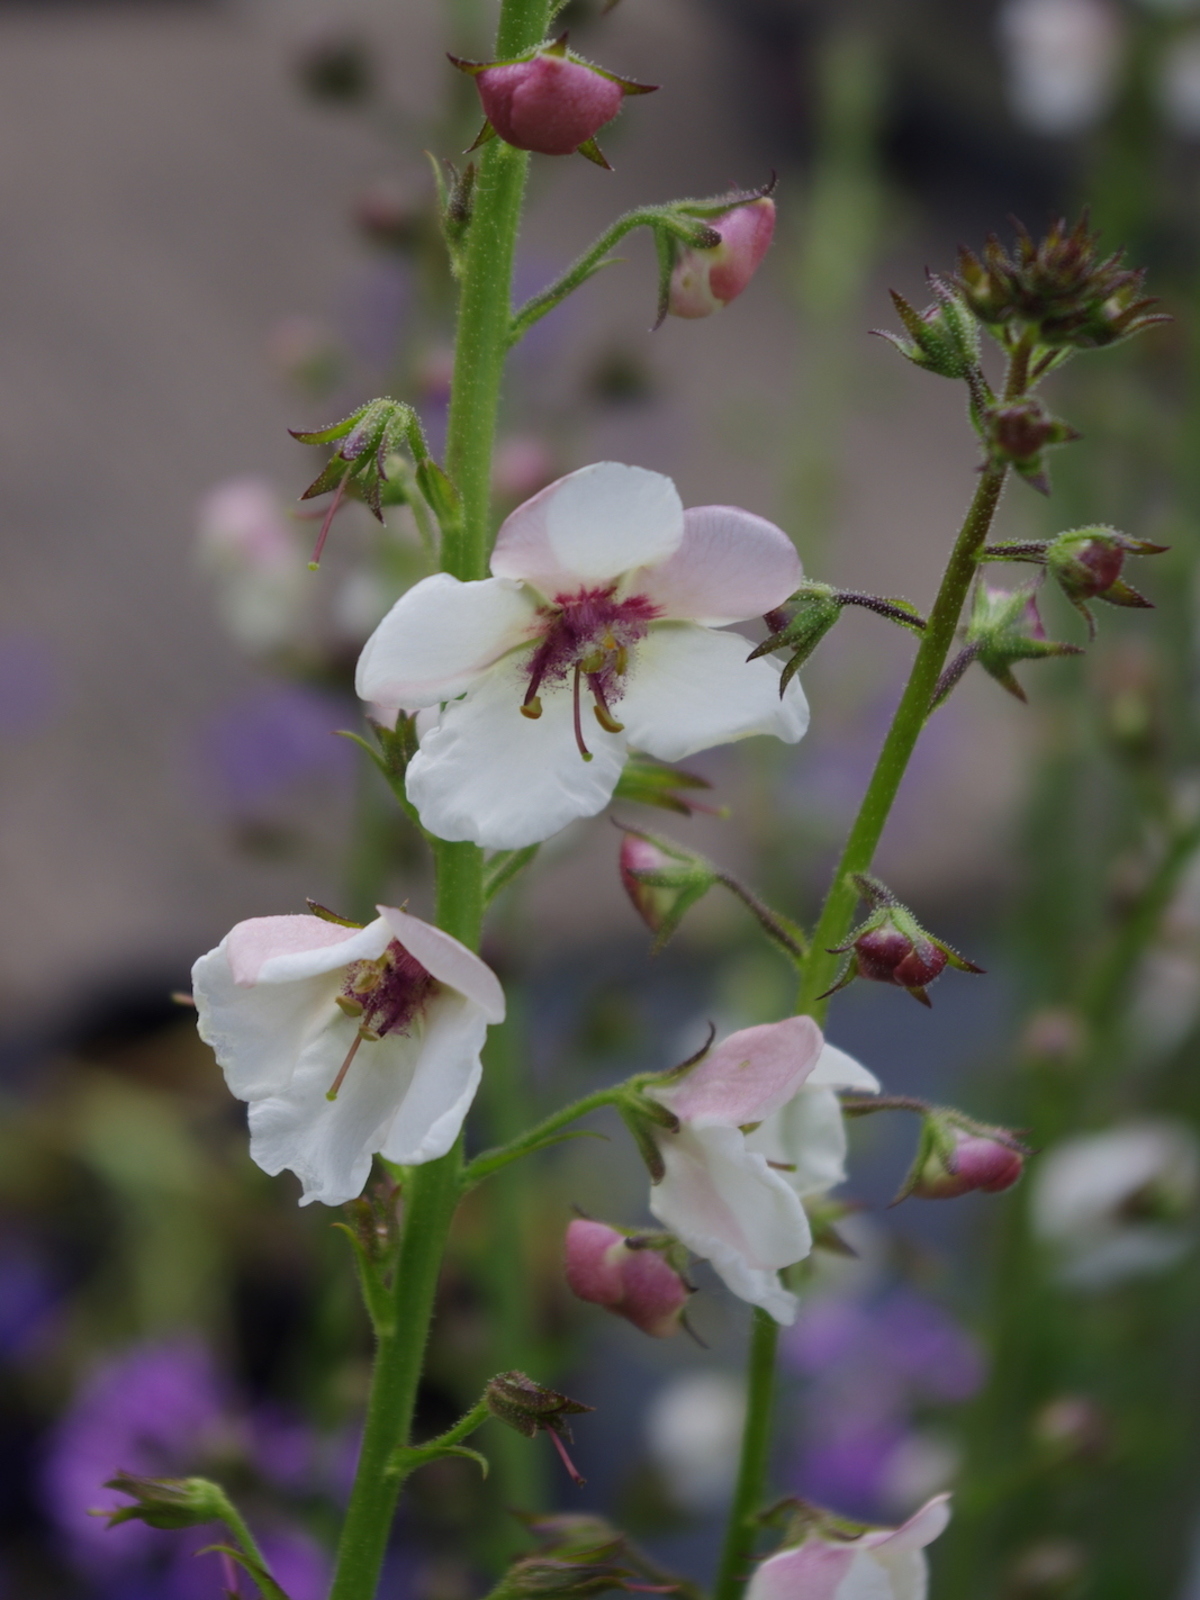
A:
x,y
924,1463
1062,59
1179,85
693,1433
1112,1204
246,541
360,605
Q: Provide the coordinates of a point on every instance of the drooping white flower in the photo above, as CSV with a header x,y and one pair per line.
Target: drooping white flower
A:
x,y
1063,58
606,595
347,1042
720,1197
883,1564
1111,1204
806,1138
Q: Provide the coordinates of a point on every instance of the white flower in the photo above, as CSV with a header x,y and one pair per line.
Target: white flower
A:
x,y
884,1564
1109,1203
722,1199
806,1138
246,541
346,1041
1179,85
1062,57
693,1433
606,599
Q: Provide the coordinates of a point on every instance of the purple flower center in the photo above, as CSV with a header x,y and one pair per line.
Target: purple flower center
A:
x,y
387,995
588,637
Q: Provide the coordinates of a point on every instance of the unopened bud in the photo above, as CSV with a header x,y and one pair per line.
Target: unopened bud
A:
x,y
973,1162
1087,563
892,947
626,1275
1019,432
1005,627
944,338
662,881
550,102
166,1502
704,280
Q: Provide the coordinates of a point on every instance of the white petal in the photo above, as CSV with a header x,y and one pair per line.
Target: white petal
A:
x,y
258,1033
867,1580
837,1070
438,638
298,965
727,1205
449,961
809,1135
443,1085
811,1571
747,1076
329,1144
922,1528
690,687
730,566
590,527
488,774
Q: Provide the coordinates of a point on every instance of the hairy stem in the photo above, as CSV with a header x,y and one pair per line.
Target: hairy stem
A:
x,y
752,1468
492,1160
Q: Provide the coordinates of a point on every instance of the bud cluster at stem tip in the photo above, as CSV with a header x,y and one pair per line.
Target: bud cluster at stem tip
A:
x,y
892,947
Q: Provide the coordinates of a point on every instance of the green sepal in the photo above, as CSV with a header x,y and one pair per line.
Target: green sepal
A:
x,y
326,915
651,783
500,869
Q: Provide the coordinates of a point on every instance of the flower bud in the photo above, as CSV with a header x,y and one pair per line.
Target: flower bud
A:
x,y
892,947
703,281
1019,432
550,102
973,1161
944,338
662,881
625,1275
1087,563
1005,627
166,1502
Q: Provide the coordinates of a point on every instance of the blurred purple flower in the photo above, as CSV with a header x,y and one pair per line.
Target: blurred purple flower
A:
x,y
277,735
31,687
29,1298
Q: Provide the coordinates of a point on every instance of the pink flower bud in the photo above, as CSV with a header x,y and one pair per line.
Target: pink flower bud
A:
x,y
886,955
550,104
705,280
637,1282
662,883
977,1163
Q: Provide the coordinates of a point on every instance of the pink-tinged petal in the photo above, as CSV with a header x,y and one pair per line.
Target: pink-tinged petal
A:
x,y
921,1529
329,1144
746,234
747,1076
730,566
292,949
690,688
438,638
808,1136
591,1271
589,528
257,1034
449,961
728,1206
488,774
441,1089
812,1571
837,1070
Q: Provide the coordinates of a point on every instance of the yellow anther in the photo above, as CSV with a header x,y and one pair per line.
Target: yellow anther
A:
x,y
352,1008
606,719
532,708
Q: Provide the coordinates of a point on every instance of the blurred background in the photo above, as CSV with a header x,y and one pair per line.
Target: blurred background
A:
x,y
218,225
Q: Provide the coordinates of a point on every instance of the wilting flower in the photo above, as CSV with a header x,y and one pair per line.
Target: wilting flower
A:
x,y
705,280
805,1139
720,1197
346,1041
875,1564
1111,1203
604,589
629,1274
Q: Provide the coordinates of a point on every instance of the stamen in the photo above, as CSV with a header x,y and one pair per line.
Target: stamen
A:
x,y
583,749
328,522
532,707
603,715
352,1008
332,1092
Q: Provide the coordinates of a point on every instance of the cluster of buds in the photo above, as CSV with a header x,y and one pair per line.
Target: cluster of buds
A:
x,y
1005,627
581,1555
1086,563
944,338
811,612
1060,286
639,1276
892,947
530,1408
1017,434
701,277
549,100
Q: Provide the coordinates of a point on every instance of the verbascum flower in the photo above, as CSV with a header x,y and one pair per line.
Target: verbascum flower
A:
x,y
717,1195
346,1041
805,1140
853,1563
608,596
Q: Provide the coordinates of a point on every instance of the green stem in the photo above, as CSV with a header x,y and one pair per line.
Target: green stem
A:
x,y
235,1522
911,714
751,1484
492,1160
